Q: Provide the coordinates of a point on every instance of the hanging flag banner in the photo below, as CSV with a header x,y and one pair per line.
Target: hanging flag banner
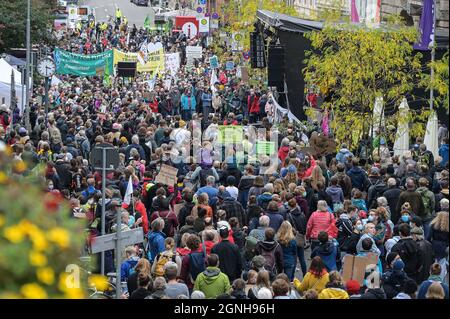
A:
x,y
83,65
426,27
173,62
203,25
155,60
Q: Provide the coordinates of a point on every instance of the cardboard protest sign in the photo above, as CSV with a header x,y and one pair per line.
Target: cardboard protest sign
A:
x,y
167,175
354,267
265,148
309,150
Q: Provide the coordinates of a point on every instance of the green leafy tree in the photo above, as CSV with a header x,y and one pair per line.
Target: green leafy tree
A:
x,y
354,65
439,81
13,19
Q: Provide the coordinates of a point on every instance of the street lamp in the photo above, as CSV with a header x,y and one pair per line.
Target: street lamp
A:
x,y
27,73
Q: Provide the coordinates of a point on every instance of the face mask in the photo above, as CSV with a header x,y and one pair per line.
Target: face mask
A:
x,y
304,194
51,187
371,218
405,218
359,227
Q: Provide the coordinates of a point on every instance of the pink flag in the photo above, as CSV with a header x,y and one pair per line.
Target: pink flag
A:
x,y
325,127
355,16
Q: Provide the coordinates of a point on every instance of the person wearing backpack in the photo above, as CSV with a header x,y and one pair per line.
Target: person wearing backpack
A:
x,y
212,281
429,203
127,267
272,253
328,251
164,257
229,255
409,252
156,238
194,262
169,217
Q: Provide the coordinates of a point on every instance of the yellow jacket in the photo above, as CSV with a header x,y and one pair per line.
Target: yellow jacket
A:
x,y
311,282
333,293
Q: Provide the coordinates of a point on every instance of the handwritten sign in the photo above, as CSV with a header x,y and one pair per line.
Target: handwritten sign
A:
x,y
230,134
167,175
265,148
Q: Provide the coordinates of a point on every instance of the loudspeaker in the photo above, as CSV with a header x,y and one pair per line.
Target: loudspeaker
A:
x,y
257,51
126,69
276,66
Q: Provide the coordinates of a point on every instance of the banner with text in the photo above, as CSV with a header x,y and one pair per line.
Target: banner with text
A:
x,y
154,61
83,65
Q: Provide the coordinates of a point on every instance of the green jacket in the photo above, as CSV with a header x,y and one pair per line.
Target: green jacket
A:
x,y
212,282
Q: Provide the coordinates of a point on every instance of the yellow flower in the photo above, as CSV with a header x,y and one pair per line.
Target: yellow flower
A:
x,y
99,282
14,234
39,241
20,166
62,285
46,275
74,293
59,236
3,177
38,259
33,291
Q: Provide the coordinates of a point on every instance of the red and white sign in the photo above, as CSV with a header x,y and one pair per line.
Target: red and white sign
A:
x,y
189,25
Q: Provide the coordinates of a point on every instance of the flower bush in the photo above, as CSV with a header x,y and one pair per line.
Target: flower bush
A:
x,y
38,238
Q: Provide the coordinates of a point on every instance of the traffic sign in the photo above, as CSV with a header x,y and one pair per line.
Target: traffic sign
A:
x,y
108,242
111,157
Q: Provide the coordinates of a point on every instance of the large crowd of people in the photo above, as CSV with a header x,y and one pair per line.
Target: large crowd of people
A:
x,y
225,229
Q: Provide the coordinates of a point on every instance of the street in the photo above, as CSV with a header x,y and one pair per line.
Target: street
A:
x,y
104,9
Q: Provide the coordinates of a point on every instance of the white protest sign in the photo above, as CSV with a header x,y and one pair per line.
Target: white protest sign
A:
x,y
173,62
203,25
194,52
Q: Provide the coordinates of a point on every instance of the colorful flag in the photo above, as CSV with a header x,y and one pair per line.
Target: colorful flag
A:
x,y
129,192
355,16
107,77
426,26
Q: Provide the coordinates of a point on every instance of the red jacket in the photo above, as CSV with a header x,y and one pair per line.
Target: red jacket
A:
x,y
154,106
208,246
283,152
319,221
140,207
253,107
308,172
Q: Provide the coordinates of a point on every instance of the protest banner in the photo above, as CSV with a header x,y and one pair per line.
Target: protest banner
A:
x,y
194,52
167,175
83,65
230,134
155,60
265,148
172,62
354,267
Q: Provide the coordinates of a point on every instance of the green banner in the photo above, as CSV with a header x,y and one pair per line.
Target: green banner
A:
x,y
265,148
83,65
230,134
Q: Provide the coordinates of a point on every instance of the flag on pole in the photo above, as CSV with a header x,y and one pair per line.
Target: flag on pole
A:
x,y
426,26
354,12
129,192
147,22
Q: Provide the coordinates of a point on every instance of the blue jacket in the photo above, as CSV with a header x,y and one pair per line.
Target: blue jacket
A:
x,y
211,191
156,244
427,283
358,177
206,99
127,266
443,152
185,102
289,253
329,253
276,219
342,155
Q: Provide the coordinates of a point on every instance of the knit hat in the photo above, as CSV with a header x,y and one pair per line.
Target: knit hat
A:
x,y
398,265
258,261
123,140
374,171
292,169
353,287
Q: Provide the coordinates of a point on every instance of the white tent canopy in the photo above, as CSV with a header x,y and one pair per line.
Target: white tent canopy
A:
x,y
431,135
402,136
5,84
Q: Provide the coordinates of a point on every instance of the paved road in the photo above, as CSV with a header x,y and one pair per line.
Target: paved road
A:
x,y
107,8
